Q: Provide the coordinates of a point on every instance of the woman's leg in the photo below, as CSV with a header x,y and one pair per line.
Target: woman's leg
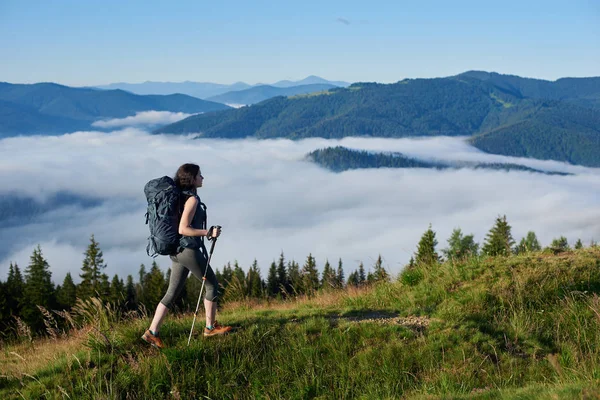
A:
x,y
176,284
211,311
196,262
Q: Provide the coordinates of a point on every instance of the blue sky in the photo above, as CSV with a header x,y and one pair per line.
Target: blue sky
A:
x,y
99,42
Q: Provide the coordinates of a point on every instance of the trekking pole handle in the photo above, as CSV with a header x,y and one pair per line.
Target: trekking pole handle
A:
x,y
209,235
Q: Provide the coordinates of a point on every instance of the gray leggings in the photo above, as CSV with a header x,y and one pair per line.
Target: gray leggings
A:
x,y
184,262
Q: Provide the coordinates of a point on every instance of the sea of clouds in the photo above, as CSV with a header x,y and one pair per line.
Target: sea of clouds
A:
x,y
269,199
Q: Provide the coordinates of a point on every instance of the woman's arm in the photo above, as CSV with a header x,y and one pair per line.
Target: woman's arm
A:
x,y
185,224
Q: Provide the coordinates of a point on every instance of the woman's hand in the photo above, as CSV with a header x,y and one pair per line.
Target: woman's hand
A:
x,y
214,232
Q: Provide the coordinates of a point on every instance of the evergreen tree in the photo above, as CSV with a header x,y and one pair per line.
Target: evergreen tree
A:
x,y
460,246
282,278
139,287
362,278
499,240
528,243
91,271
340,275
104,290
66,297
130,297
15,290
38,290
370,278
380,274
154,287
353,279
272,281
117,291
578,244
426,254
310,275
329,278
559,245
294,277
255,289
239,273
5,315
227,275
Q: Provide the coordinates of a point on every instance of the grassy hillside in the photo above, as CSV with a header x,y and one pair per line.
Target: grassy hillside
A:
x,y
523,327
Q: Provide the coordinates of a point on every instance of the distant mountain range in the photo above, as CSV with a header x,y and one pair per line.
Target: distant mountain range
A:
x,y
48,108
505,114
257,94
204,90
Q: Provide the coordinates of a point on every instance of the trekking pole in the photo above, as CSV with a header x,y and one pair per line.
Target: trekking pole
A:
x,y
212,247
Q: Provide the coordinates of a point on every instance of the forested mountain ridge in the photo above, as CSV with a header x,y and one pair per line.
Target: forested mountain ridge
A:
x,y
44,108
260,93
469,104
340,159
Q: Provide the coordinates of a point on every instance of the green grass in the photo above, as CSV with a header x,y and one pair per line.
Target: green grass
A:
x,y
522,327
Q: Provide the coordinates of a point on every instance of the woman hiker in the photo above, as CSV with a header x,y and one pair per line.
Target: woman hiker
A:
x,y
192,257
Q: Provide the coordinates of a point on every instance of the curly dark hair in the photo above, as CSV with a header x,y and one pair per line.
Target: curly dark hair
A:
x,y
185,177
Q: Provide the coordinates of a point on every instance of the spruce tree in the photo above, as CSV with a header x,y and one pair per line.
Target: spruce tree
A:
x,y
239,273
294,277
528,243
559,245
340,275
139,287
499,240
273,281
362,278
380,274
38,290
130,294
117,291
329,278
154,287
578,244
227,275
14,290
255,289
66,297
459,246
310,275
91,272
282,278
426,254
5,314
353,279
104,290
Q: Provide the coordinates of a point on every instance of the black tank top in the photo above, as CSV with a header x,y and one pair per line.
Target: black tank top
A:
x,y
198,222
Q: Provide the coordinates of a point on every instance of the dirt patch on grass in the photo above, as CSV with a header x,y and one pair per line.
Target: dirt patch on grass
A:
x,y
413,322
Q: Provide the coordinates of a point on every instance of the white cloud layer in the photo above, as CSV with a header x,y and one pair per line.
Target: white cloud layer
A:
x,y
143,118
269,199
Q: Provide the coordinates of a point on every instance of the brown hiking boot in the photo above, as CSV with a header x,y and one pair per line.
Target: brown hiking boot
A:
x,y
153,340
217,329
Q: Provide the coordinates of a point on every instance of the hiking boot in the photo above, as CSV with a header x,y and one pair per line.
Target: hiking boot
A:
x,y
153,340
217,329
